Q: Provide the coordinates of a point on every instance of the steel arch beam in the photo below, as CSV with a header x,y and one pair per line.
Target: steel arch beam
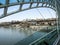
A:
x,y
47,3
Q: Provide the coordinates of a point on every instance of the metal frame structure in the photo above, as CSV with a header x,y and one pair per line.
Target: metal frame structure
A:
x,y
53,4
45,3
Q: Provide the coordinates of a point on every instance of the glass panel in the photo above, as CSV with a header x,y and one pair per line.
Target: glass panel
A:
x,y
40,4
40,0
19,0
35,0
44,5
13,8
1,11
45,0
25,6
27,0
34,5
47,4
12,1
2,1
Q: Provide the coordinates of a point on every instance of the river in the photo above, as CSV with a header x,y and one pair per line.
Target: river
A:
x,y
10,36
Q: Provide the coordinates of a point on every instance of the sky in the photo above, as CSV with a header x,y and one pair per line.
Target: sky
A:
x,y
27,14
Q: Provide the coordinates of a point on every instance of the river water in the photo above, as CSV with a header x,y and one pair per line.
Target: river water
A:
x,y
10,36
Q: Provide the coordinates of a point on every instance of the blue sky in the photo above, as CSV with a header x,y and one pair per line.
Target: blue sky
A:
x,y
28,14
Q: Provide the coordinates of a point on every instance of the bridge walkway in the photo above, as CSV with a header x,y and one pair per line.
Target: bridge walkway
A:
x,y
31,38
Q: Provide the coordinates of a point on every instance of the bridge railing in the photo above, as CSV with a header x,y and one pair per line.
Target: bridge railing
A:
x,y
47,39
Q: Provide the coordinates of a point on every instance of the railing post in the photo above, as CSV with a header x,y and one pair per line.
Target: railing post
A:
x,y
37,3
20,8
6,8
30,3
